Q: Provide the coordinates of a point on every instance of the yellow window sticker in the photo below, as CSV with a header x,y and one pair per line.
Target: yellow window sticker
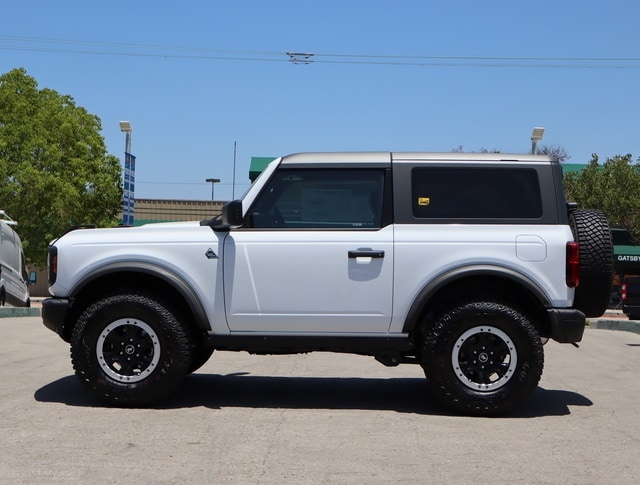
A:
x,y
424,200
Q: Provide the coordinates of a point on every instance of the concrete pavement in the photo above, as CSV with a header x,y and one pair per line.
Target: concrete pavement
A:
x,y
316,418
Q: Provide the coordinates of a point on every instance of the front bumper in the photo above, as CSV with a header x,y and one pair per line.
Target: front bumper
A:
x,y
54,316
567,325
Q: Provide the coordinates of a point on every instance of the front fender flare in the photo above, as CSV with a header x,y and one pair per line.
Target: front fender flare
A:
x,y
166,275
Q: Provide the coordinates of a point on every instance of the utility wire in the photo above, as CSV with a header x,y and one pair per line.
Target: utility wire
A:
x,y
228,184
49,45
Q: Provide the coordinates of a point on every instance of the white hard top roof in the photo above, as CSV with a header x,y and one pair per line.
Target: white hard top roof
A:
x,y
356,157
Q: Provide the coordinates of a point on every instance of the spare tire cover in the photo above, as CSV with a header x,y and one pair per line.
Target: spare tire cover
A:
x,y
591,230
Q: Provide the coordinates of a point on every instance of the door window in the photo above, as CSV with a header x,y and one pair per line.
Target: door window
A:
x,y
321,199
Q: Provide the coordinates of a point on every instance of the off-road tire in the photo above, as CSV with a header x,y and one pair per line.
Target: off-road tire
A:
x,y
482,358
591,230
130,350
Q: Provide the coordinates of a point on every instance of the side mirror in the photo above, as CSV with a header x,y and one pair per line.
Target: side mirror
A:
x,y
33,277
232,213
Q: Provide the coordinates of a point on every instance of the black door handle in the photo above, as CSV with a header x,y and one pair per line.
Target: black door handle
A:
x,y
366,253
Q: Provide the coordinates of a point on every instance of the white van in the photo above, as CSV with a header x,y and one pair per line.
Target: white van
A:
x,y
14,282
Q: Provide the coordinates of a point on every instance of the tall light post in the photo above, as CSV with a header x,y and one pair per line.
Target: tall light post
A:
x,y
536,136
125,126
128,203
213,183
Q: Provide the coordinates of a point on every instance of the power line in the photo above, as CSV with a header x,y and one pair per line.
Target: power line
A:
x,y
147,182
70,46
46,40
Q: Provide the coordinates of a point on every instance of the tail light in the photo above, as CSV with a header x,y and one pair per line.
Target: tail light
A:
x,y
623,293
573,264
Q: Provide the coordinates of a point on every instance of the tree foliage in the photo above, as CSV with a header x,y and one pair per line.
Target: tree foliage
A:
x,y
460,149
556,151
55,171
613,187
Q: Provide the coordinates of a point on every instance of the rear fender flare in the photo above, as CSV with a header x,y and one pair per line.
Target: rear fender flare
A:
x,y
424,297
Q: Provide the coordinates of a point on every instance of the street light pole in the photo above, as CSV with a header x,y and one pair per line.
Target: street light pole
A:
x,y
536,136
213,183
125,126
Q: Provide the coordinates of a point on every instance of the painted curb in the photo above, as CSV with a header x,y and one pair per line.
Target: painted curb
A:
x,y
624,325
11,312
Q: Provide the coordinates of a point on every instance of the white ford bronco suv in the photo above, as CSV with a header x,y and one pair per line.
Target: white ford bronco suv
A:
x,y
462,263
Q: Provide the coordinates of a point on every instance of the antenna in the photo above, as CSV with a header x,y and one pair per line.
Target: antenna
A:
x,y
233,185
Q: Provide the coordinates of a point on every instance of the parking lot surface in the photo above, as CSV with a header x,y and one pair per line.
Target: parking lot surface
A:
x,y
317,418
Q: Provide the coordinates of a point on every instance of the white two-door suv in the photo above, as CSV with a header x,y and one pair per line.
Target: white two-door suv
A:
x,y
461,263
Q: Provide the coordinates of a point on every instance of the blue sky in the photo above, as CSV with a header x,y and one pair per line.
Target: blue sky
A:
x,y
193,77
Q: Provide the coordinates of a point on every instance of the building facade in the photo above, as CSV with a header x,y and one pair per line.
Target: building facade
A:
x,y
164,210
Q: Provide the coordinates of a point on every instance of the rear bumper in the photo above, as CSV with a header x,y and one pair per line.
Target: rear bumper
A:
x,y
54,316
631,309
567,325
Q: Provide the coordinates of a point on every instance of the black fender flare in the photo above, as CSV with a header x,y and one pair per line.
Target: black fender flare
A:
x,y
166,275
433,286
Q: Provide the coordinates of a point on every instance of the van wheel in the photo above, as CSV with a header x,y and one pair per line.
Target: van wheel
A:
x,y
130,349
591,230
2,297
482,358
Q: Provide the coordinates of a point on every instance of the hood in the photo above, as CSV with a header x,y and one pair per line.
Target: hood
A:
x,y
154,232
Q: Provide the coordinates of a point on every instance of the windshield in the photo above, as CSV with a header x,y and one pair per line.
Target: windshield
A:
x,y
252,191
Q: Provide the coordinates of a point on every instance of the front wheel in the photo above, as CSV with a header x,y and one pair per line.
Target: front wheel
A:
x,y
482,358
130,349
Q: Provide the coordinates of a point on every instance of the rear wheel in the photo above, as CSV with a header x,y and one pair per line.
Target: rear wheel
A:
x,y
482,358
130,350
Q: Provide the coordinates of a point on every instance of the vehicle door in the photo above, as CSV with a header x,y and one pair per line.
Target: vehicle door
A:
x,y
315,254
10,262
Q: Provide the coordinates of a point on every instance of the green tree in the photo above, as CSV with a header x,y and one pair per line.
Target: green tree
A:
x,y
613,187
55,171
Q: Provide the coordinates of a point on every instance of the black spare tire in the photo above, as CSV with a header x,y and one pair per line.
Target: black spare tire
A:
x,y
591,230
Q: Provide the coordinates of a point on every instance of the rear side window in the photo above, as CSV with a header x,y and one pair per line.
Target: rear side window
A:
x,y
475,193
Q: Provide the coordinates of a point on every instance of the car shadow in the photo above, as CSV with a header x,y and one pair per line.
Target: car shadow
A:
x,y
403,395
